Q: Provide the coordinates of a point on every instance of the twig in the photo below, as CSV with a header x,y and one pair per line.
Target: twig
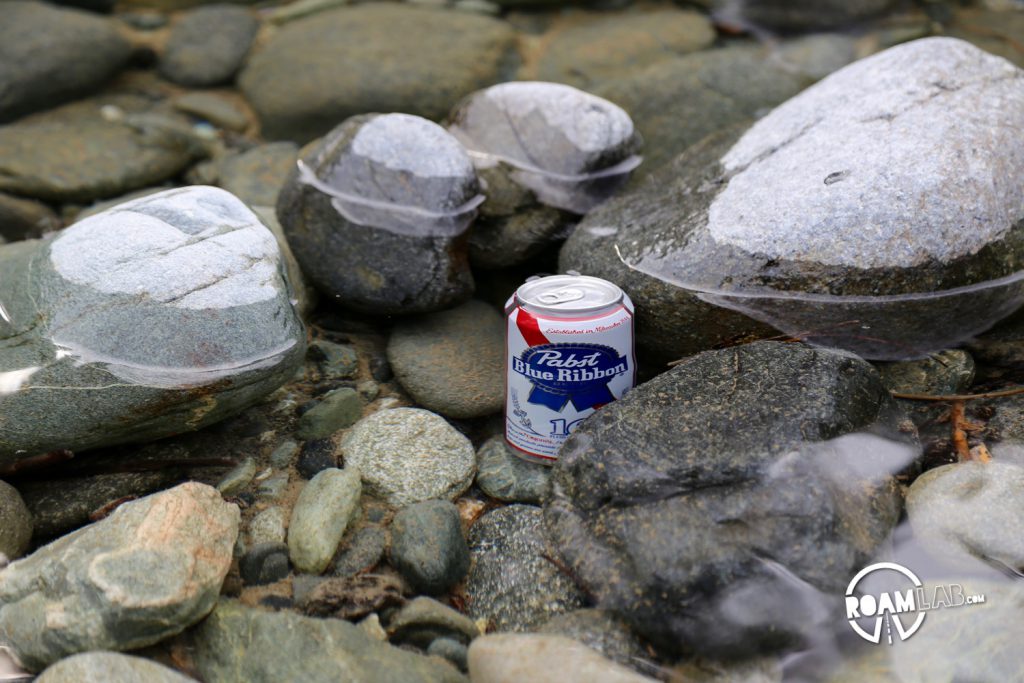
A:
x,y
956,420
959,397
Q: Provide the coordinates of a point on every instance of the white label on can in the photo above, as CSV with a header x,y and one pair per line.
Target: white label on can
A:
x,y
560,370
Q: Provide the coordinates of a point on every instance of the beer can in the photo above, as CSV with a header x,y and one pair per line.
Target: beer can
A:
x,y
568,351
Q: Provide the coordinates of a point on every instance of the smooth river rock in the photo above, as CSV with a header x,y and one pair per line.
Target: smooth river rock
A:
x,y
377,211
156,317
15,523
110,667
148,571
827,221
723,506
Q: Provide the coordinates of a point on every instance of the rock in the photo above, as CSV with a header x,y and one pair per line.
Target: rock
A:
x,y
235,481
74,154
156,565
64,504
948,372
111,667
967,512
303,297
452,362
22,219
427,546
514,657
316,456
283,456
407,455
220,111
352,597
242,644
208,45
843,157
50,55
264,563
15,523
256,175
337,410
268,526
601,631
336,361
272,488
511,582
504,475
571,149
370,625
362,553
803,15
787,454
423,620
322,513
452,650
157,317
392,194
1003,345
601,46
443,56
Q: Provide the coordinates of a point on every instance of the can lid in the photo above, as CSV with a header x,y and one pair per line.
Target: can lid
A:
x,y
568,294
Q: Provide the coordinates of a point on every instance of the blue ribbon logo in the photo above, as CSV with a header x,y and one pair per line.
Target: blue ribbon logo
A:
x,y
561,373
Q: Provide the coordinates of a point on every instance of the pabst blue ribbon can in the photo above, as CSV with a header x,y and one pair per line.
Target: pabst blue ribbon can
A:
x,y
568,351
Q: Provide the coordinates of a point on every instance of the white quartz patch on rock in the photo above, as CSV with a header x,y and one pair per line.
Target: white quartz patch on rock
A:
x,y
909,156
198,248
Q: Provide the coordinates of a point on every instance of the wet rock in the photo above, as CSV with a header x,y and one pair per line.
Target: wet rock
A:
x,y
570,148
803,15
316,456
603,46
427,546
392,194
74,154
336,361
504,475
15,523
256,175
362,552
268,526
513,657
678,102
337,410
242,644
948,372
407,455
352,597
22,219
111,667
159,316
235,481
62,505
511,582
208,45
50,55
220,111
601,631
264,563
968,512
148,571
443,56
424,620
452,362
322,513
775,494
890,256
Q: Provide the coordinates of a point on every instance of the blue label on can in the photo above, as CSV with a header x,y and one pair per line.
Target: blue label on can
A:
x,y
577,373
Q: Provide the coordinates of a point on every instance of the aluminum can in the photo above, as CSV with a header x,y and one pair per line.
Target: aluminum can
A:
x,y
568,351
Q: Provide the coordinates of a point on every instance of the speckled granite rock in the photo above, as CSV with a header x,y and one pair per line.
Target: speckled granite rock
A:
x,y
156,317
148,571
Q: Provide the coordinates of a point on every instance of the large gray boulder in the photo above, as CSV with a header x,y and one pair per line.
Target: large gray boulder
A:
x,y
722,507
874,211
148,571
158,316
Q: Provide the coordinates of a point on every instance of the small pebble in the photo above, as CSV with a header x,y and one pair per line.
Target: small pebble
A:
x,y
268,526
238,478
273,486
428,547
337,410
283,455
363,551
336,361
452,650
264,563
323,511
504,475
316,456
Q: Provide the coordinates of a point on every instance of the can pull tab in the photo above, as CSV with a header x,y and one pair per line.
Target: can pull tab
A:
x,y
561,296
